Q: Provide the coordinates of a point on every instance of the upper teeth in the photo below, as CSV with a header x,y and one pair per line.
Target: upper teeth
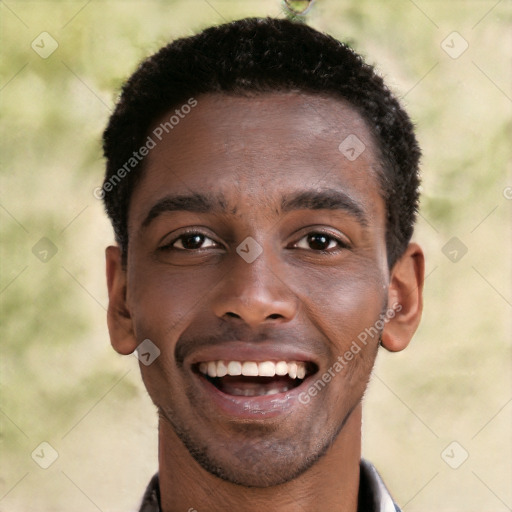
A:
x,y
294,369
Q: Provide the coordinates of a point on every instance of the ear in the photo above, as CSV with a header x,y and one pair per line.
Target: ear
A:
x,y
119,320
405,297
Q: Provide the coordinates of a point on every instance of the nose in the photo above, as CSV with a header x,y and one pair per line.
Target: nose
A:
x,y
255,293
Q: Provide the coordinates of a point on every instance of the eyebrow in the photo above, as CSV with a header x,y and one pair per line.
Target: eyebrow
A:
x,y
302,200
327,199
198,203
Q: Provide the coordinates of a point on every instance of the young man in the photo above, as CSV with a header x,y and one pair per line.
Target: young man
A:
x,y
263,185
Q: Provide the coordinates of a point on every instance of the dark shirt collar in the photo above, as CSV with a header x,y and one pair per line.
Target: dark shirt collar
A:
x,y
373,495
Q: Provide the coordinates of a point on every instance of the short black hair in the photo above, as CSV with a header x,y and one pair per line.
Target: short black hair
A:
x,y
262,55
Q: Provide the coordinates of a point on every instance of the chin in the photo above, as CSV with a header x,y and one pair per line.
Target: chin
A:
x,y
256,461
257,473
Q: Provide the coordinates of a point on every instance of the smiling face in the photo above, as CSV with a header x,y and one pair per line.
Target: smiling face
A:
x,y
257,256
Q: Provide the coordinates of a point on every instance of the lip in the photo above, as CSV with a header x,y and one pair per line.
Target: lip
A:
x,y
245,351
254,407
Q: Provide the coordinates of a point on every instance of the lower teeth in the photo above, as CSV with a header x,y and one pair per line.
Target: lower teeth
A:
x,y
237,388
255,392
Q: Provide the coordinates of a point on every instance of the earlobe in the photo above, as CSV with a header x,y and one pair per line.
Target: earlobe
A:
x,y
119,320
405,299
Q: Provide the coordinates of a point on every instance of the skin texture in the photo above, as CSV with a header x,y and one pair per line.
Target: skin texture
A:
x,y
252,155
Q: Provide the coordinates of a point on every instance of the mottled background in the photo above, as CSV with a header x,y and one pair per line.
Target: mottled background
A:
x,y
446,397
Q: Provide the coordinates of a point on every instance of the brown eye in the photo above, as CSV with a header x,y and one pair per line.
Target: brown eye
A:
x,y
320,242
192,241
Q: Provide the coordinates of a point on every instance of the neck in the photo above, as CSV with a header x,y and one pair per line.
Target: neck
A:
x,y
330,484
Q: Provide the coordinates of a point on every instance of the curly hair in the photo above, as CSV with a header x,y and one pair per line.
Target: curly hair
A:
x,y
263,55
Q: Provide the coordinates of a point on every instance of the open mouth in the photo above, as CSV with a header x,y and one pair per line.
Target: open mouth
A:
x,y
251,379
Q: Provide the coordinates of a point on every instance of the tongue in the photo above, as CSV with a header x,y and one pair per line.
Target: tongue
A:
x,y
254,386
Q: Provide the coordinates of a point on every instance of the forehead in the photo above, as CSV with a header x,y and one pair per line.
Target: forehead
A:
x,y
257,149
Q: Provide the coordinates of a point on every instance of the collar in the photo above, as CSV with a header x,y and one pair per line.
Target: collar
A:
x,y
373,494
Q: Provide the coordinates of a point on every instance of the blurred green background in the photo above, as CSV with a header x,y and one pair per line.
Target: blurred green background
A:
x,y
61,382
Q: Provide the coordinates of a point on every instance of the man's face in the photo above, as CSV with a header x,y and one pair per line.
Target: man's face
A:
x,y
255,239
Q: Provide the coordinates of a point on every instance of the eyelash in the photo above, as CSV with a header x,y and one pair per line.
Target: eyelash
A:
x,y
342,245
169,246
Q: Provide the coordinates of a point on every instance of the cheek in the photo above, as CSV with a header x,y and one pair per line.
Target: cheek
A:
x,y
164,299
343,302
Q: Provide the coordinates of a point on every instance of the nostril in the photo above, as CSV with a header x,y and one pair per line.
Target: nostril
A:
x,y
232,315
274,316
